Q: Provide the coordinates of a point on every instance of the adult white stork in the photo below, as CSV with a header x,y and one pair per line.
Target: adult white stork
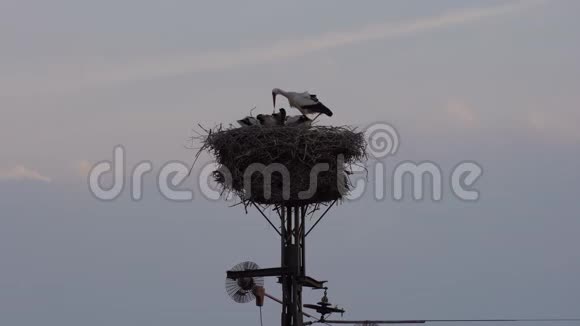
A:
x,y
305,102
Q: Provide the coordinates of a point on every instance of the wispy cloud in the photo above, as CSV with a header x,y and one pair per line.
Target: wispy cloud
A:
x,y
152,68
460,112
297,48
22,173
560,126
82,167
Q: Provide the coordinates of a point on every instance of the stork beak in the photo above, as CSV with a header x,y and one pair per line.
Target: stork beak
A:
x,y
274,99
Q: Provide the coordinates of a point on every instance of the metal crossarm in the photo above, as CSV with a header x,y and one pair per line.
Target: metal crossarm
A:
x,y
263,272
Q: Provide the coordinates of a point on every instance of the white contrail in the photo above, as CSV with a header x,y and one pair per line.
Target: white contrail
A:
x,y
66,79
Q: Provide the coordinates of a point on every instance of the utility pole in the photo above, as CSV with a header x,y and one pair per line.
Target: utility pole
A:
x,y
292,273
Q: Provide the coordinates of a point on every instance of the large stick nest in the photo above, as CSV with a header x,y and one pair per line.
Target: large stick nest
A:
x,y
301,151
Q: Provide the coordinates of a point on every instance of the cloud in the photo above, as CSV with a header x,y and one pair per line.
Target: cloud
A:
x,y
451,115
22,173
286,49
560,126
82,167
460,112
152,68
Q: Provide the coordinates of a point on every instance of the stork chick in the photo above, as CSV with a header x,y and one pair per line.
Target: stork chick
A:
x,y
280,117
248,122
299,121
267,120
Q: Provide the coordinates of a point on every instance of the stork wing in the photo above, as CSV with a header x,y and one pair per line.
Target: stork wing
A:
x,y
305,99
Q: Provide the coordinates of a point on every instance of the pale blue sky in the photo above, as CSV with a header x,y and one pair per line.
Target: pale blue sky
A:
x,y
492,81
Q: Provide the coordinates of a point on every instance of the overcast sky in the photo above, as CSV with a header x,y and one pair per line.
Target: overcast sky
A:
x,y
496,82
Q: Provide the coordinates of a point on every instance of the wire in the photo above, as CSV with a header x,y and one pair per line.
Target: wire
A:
x,y
267,219
370,322
320,218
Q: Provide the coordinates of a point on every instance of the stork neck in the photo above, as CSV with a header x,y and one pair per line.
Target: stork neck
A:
x,y
281,92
